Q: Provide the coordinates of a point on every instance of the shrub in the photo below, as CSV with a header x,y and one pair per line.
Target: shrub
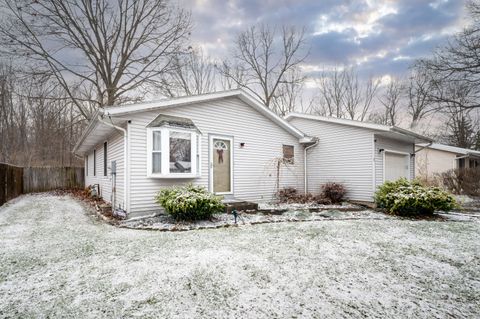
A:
x,y
287,195
464,181
189,202
334,192
406,198
290,195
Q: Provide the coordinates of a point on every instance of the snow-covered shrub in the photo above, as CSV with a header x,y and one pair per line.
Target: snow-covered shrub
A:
x,y
334,192
189,202
407,198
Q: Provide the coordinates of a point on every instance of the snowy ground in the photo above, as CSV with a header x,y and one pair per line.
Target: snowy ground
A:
x,y
56,261
167,223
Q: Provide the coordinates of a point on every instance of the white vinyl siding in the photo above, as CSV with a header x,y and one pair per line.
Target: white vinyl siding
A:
x,y
392,145
343,154
114,152
254,165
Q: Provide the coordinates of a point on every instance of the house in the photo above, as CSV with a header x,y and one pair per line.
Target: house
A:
x,y
360,155
227,141
433,159
230,143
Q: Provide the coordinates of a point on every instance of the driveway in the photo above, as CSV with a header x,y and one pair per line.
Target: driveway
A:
x,y
59,262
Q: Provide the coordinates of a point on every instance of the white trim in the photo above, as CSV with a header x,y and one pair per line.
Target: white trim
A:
x,y
210,162
365,125
374,166
165,153
407,155
452,149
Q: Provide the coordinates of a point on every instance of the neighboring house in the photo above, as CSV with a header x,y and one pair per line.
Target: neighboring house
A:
x,y
233,145
360,155
228,142
436,158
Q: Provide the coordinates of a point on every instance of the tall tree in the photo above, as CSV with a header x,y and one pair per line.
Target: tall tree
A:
x,y
391,100
192,73
459,62
343,94
263,58
418,92
116,47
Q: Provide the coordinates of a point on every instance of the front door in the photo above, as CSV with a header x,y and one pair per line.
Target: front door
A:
x,y
221,165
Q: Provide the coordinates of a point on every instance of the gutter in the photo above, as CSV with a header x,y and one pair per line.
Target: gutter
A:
x,y
125,158
305,163
410,133
422,148
89,129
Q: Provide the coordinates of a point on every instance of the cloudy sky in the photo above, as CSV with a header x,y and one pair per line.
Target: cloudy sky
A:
x,y
380,37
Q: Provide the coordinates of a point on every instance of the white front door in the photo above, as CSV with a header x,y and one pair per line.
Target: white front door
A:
x,y
221,158
396,166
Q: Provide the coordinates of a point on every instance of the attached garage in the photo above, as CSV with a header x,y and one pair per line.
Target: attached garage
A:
x,y
397,165
360,155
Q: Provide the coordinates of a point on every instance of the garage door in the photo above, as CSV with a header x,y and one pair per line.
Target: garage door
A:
x,y
396,166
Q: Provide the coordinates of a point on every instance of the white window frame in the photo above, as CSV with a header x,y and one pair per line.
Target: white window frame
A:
x,y
165,151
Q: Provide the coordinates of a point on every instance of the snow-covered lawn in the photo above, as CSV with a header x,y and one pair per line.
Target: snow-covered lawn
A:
x,y
56,261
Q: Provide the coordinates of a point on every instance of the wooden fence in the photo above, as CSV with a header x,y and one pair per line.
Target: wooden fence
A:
x,y
11,182
42,179
21,180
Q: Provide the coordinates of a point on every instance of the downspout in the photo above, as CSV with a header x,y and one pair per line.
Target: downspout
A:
x,y
305,164
422,148
125,155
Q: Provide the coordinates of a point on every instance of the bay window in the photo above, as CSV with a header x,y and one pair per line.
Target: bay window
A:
x,y
173,152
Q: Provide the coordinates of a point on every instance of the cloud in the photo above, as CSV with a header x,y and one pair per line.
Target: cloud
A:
x,y
377,36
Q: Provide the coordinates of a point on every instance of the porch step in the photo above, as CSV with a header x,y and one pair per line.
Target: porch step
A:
x,y
230,205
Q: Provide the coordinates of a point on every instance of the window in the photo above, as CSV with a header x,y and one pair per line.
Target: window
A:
x,y
173,153
180,152
288,154
94,162
105,159
157,152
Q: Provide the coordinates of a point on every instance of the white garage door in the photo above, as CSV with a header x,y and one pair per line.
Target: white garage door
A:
x,y
396,166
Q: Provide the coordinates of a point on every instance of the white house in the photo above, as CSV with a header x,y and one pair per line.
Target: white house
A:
x,y
233,145
227,141
360,155
435,158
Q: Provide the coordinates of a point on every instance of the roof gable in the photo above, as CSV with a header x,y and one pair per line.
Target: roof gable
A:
x,y
188,100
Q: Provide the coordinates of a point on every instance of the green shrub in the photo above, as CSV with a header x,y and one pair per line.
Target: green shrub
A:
x,y
189,202
406,198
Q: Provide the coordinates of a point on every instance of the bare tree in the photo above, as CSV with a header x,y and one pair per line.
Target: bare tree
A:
x,y
117,47
459,61
30,120
332,93
358,98
289,95
191,73
418,91
460,127
391,100
262,60
343,94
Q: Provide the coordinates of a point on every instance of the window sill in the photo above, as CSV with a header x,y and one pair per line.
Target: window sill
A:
x,y
174,176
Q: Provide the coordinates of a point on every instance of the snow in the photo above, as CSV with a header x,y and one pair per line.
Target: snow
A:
x,y
58,261
166,223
